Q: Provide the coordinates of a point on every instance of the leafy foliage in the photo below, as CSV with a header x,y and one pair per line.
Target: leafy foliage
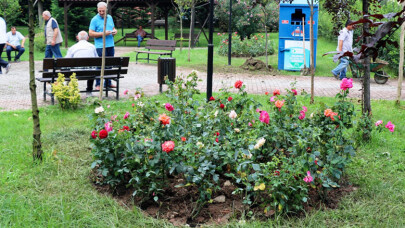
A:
x,y
256,46
10,10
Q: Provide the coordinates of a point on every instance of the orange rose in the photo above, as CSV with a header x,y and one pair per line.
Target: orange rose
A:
x,y
279,104
327,112
333,114
164,119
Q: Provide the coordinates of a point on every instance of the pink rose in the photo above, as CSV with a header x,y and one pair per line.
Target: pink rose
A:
x,y
273,99
390,126
294,92
304,109
125,92
169,107
302,115
108,126
264,117
168,146
126,115
378,122
346,84
308,178
249,124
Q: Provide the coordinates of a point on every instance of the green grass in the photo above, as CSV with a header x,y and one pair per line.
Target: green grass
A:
x,y
58,192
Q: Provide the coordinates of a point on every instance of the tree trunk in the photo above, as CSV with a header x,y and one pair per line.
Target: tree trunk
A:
x,y
265,33
181,30
366,79
312,57
103,58
36,143
191,33
401,62
40,11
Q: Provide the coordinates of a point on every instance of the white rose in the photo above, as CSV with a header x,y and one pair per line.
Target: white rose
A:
x,y
140,104
216,113
233,114
99,109
259,143
200,144
312,115
237,130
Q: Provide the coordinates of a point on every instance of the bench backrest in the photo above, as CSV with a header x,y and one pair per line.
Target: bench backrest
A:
x,y
169,45
84,66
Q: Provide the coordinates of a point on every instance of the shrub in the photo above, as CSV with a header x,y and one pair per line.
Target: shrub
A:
x,y
67,95
274,155
39,42
256,46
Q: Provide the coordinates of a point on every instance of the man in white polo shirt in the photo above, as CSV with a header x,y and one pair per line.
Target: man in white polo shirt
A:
x,y
83,49
13,44
345,43
3,40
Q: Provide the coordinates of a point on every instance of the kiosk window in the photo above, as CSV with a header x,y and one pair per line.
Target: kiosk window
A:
x,y
296,18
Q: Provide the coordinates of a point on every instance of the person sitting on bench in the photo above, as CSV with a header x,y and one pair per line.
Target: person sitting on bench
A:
x,y
83,49
13,44
140,34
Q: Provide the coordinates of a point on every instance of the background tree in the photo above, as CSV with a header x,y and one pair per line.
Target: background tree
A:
x,y
36,144
10,10
311,4
181,6
401,62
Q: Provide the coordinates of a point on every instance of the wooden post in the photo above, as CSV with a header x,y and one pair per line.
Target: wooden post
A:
x,y
401,62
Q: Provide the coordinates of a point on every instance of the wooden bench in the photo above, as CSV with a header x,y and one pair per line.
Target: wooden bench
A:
x,y
186,38
132,37
168,45
85,69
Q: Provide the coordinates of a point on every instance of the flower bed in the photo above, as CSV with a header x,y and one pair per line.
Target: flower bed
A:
x,y
271,157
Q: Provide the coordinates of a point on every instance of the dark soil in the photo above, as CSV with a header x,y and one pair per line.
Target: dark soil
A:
x,y
178,203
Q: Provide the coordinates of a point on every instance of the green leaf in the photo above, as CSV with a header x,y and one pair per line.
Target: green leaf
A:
x,y
256,167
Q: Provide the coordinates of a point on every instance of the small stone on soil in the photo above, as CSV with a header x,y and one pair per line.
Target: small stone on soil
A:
x,y
227,183
219,199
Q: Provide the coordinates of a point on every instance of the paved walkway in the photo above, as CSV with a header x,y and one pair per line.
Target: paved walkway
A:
x,y
15,93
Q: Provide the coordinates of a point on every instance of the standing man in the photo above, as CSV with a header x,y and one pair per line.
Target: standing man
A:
x,y
3,40
83,49
13,44
140,34
52,36
345,43
96,31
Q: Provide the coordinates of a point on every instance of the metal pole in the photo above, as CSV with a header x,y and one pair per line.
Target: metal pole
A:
x,y
210,51
230,33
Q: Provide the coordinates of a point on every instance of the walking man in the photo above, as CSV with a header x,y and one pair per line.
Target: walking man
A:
x,y
345,43
13,44
52,36
3,40
83,49
96,31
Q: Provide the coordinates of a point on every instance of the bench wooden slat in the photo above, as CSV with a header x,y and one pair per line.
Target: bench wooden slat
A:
x,y
80,78
48,63
85,72
164,43
161,48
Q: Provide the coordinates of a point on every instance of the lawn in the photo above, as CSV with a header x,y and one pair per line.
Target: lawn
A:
x,y
59,193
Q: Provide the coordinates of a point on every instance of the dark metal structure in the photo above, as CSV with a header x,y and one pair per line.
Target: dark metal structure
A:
x,y
165,5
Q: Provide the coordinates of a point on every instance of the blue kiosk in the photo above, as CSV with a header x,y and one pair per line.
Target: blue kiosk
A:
x,y
290,47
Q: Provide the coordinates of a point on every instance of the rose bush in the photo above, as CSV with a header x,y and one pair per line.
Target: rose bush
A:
x,y
249,47
273,153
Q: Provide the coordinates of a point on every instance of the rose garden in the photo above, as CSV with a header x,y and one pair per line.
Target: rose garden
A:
x,y
255,151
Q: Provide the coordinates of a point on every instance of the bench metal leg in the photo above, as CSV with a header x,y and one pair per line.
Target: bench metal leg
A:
x,y
136,62
118,89
52,98
106,91
44,91
148,57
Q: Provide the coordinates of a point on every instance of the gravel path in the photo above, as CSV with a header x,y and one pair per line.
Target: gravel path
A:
x,y
15,92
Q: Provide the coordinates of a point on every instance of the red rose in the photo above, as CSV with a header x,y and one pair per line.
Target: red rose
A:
x,y
230,98
276,173
217,133
125,128
212,99
103,134
183,139
316,162
216,140
168,146
94,134
276,92
238,84
222,106
266,93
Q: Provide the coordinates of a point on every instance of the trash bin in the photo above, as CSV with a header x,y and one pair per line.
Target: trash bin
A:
x,y
166,67
290,49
